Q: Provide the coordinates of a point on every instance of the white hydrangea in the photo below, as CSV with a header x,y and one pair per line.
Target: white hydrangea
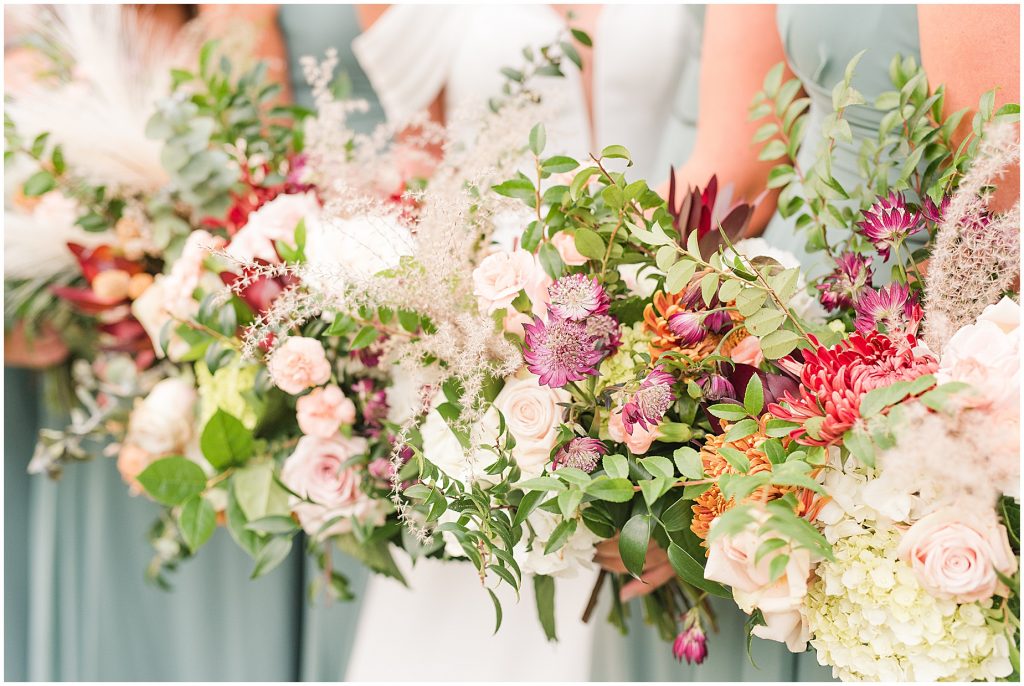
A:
x,y
871,620
575,556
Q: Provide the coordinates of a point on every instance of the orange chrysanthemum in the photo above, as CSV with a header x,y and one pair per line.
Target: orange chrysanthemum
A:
x,y
711,503
656,322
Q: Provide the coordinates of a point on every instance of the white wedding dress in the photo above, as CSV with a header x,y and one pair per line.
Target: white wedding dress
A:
x,y
440,628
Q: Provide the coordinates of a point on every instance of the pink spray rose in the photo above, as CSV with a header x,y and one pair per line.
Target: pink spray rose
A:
x,y
565,244
323,410
499,278
956,554
639,442
731,561
299,363
748,351
316,472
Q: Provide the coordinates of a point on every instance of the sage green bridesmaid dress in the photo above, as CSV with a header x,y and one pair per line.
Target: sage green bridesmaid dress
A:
x,y
77,606
819,41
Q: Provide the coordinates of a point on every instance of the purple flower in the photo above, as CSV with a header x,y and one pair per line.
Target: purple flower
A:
x,y
374,402
577,297
888,223
560,351
716,387
718,321
581,453
605,328
892,306
691,645
934,213
649,404
843,287
687,328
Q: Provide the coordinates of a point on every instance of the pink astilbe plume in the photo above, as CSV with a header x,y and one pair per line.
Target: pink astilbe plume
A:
x,y
976,257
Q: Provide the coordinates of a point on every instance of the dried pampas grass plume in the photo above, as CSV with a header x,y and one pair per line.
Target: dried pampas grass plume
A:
x,y
976,256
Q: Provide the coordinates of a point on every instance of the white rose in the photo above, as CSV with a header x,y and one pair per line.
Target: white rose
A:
x,y
575,556
164,422
274,221
986,355
533,415
404,393
356,248
442,448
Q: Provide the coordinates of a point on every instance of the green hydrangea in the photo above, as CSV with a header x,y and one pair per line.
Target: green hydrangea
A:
x,y
871,620
228,389
629,359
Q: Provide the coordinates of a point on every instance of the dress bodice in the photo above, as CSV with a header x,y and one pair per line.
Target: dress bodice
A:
x,y
413,52
311,30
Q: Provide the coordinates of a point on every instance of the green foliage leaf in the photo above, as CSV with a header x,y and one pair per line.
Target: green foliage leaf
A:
x,y
173,480
38,184
561,534
367,335
271,555
753,397
544,592
741,429
692,572
779,344
657,466
679,275
197,522
612,490
688,463
633,540
225,441
589,243
616,152
538,139
615,466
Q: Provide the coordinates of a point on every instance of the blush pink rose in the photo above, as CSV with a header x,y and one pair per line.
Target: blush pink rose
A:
x,y
731,561
299,363
316,471
131,460
639,442
565,244
986,355
274,221
515,321
323,410
500,276
748,351
955,554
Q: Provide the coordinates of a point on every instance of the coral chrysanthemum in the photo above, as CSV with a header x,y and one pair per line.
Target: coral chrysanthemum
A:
x,y
658,317
834,380
561,350
889,222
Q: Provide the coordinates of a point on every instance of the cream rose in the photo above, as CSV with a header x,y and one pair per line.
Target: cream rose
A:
x,y
299,363
164,422
639,442
274,221
323,410
731,561
532,414
955,555
500,276
359,247
316,471
565,244
986,355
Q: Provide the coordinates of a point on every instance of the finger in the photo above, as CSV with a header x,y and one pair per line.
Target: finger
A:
x,y
648,583
613,563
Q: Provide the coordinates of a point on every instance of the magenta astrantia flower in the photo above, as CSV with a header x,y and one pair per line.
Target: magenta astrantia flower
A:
x,y
560,350
577,297
582,453
894,307
687,327
605,328
842,287
934,213
888,223
716,387
649,404
374,404
691,645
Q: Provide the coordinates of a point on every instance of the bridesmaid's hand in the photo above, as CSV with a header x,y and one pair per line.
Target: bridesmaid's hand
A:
x,y
657,569
46,349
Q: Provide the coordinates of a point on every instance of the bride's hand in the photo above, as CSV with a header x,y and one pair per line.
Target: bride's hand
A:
x,y
657,569
46,349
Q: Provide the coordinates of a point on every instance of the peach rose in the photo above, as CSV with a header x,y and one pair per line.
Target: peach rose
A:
x,y
533,415
274,221
565,244
731,561
500,276
323,410
955,554
316,472
639,442
748,351
299,363
131,460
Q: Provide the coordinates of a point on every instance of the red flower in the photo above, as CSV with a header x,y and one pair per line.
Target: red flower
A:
x,y
834,380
